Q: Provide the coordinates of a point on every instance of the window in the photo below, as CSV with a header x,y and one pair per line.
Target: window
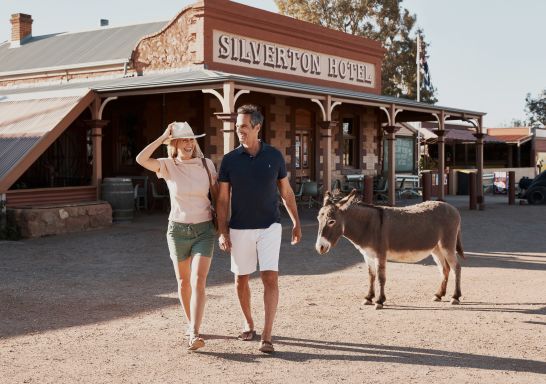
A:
x,y
350,143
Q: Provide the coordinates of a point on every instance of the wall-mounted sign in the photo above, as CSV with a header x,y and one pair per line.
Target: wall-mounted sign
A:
x,y
251,53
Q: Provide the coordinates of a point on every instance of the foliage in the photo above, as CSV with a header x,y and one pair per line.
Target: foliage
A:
x,y
426,162
536,109
382,20
517,123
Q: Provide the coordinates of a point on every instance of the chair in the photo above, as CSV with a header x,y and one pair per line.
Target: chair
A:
x,y
413,190
353,182
308,193
400,188
157,196
381,189
140,197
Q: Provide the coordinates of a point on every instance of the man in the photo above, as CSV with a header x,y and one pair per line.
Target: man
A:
x,y
251,174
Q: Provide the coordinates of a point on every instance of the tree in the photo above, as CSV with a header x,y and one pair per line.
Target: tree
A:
x,y
536,109
382,20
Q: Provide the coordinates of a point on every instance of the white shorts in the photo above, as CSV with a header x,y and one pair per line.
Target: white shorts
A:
x,y
251,246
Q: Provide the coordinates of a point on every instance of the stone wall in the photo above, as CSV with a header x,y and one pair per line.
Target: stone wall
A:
x,y
279,128
369,125
370,141
214,141
177,45
54,220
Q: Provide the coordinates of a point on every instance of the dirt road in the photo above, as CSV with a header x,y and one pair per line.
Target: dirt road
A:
x,y
101,307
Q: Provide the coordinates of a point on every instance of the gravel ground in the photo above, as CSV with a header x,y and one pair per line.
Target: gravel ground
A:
x,y
101,307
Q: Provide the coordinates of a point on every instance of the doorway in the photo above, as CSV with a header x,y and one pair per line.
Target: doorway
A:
x,y
304,146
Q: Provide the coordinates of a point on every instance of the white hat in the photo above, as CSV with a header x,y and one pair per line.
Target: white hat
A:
x,y
181,131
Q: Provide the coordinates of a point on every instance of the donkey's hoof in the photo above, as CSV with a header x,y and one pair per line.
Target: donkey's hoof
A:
x,y
368,302
378,306
455,301
436,298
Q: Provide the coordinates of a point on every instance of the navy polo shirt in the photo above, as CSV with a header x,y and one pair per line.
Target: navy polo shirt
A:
x,y
253,180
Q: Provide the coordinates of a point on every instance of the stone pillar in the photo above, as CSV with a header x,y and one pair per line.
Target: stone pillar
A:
x,y
441,164
228,121
479,164
96,127
326,145
391,165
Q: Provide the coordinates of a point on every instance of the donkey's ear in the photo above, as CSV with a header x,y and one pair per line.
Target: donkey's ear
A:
x,y
327,199
347,200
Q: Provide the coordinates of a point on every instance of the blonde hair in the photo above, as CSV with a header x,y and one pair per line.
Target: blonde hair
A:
x,y
173,152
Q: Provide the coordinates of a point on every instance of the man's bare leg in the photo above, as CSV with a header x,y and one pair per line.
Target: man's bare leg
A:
x,y
270,280
243,293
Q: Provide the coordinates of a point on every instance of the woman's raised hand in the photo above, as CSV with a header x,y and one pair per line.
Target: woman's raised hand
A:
x,y
167,133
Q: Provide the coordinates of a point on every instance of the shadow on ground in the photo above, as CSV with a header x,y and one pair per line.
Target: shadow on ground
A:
x,y
89,277
346,351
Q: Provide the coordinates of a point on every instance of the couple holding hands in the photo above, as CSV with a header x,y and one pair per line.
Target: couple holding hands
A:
x,y
249,177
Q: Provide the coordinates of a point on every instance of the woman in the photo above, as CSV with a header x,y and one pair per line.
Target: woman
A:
x,y
190,235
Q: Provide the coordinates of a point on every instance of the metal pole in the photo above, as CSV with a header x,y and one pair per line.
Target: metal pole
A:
x,y
417,61
418,155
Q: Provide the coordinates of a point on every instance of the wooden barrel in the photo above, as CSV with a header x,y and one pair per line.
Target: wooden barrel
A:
x,y
119,192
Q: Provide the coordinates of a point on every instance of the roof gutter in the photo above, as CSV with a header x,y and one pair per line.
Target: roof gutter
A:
x,y
27,73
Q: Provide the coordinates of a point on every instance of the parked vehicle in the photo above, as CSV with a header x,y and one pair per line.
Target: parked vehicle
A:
x,y
534,190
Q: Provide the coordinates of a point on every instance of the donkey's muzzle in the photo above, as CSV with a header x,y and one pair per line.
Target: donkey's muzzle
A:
x,y
322,246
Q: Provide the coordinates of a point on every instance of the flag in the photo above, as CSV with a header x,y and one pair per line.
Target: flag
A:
x,y
426,77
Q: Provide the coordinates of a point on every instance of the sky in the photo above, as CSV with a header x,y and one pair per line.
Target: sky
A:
x,y
485,55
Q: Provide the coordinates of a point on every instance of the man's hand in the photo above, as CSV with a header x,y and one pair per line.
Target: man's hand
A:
x,y
296,234
224,242
289,201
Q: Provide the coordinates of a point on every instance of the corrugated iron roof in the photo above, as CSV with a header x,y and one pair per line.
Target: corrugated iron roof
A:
x,y
202,76
427,134
458,132
467,135
72,49
197,76
514,139
26,123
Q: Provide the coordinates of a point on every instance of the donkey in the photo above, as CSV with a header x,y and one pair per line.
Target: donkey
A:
x,y
407,234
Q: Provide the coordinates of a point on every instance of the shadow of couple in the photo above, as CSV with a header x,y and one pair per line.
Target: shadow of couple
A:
x,y
302,350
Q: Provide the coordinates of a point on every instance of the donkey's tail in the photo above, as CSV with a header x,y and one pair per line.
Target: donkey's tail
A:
x,y
460,250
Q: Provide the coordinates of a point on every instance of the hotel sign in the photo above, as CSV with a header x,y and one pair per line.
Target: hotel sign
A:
x,y
257,54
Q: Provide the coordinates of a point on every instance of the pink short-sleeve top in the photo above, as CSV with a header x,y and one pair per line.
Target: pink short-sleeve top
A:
x,y
188,184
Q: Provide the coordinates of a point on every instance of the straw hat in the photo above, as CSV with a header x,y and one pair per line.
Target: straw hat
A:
x,y
181,130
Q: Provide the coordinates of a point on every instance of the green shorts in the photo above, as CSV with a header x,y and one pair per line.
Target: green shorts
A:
x,y
185,240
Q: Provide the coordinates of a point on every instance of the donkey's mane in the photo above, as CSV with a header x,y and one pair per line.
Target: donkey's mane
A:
x,y
357,203
360,203
363,204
